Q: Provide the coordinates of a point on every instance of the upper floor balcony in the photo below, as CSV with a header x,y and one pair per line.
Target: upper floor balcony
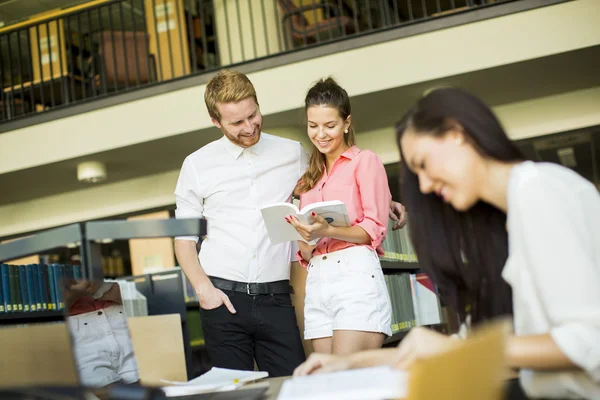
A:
x,y
104,48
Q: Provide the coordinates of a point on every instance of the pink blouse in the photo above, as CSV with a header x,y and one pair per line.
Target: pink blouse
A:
x,y
357,178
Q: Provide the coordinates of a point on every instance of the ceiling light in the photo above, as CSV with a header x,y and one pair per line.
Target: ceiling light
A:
x,y
91,172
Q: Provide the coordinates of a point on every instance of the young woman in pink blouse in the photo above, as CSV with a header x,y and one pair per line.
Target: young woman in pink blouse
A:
x,y
347,306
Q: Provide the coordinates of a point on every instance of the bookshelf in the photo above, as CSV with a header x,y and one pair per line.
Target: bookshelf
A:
x,y
31,317
22,289
395,265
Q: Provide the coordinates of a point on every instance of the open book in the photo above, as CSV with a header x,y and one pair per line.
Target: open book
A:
x,y
376,383
215,380
281,231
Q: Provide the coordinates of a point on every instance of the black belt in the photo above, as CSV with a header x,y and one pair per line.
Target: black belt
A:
x,y
253,289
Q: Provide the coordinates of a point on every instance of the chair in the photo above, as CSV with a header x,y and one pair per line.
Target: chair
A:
x,y
117,62
299,32
473,370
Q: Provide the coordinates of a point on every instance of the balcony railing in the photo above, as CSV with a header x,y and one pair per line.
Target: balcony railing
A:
x,y
111,46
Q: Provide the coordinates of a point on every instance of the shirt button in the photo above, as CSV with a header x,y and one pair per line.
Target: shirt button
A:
x,y
99,312
324,257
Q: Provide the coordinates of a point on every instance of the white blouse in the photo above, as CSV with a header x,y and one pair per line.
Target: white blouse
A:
x,y
554,271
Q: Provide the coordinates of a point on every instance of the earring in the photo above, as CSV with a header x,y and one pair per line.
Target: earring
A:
x,y
346,131
459,141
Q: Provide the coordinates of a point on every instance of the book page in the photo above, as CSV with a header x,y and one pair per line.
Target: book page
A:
x,y
278,228
333,211
377,383
215,380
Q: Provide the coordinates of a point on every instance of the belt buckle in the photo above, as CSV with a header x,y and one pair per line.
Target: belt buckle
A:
x,y
248,291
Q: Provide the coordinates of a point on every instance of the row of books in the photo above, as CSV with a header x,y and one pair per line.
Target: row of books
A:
x,y
113,265
34,287
415,301
397,245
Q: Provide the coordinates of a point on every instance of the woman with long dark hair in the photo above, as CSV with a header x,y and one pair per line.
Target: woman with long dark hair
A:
x,y
480,215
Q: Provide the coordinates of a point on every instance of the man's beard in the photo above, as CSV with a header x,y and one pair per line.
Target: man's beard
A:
x,y
244,141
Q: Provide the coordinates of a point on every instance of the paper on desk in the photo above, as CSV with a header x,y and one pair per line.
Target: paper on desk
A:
x,y
377,383
215,380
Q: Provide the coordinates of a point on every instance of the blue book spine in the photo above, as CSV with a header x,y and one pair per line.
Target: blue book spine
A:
x,y
77,271
60,279
23,285
50,283
16,287
46,283
36,287
30,287
42,286
52,286
2,307
6,288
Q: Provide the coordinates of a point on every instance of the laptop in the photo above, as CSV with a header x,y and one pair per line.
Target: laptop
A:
x,y
96,314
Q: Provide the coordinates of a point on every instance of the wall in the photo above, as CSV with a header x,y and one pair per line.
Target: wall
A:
x,y
522,120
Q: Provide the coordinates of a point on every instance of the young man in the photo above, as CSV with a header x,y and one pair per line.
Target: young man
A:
x,y
242,280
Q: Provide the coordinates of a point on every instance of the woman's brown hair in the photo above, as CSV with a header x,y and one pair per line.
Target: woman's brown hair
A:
x,y
326,92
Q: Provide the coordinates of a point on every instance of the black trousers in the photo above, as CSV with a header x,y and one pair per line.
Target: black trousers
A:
x,y
263,329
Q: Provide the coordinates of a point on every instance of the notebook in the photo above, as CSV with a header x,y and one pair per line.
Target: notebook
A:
x,y
377,383
217,379
281,231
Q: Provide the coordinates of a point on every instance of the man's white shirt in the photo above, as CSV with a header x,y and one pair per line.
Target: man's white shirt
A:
x,y
227,185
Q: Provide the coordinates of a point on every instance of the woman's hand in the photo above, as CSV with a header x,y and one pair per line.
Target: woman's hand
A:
x,y
421,343
318,229
318,363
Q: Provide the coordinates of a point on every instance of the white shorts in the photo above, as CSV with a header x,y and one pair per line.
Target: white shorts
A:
x,y
345,290
102,347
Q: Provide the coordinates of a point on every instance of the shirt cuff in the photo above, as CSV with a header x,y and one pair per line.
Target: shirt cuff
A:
x,y
580,344
375,231
301,259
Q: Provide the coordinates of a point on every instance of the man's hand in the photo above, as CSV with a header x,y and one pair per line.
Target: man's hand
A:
x,y
210,298
398,214
318,363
